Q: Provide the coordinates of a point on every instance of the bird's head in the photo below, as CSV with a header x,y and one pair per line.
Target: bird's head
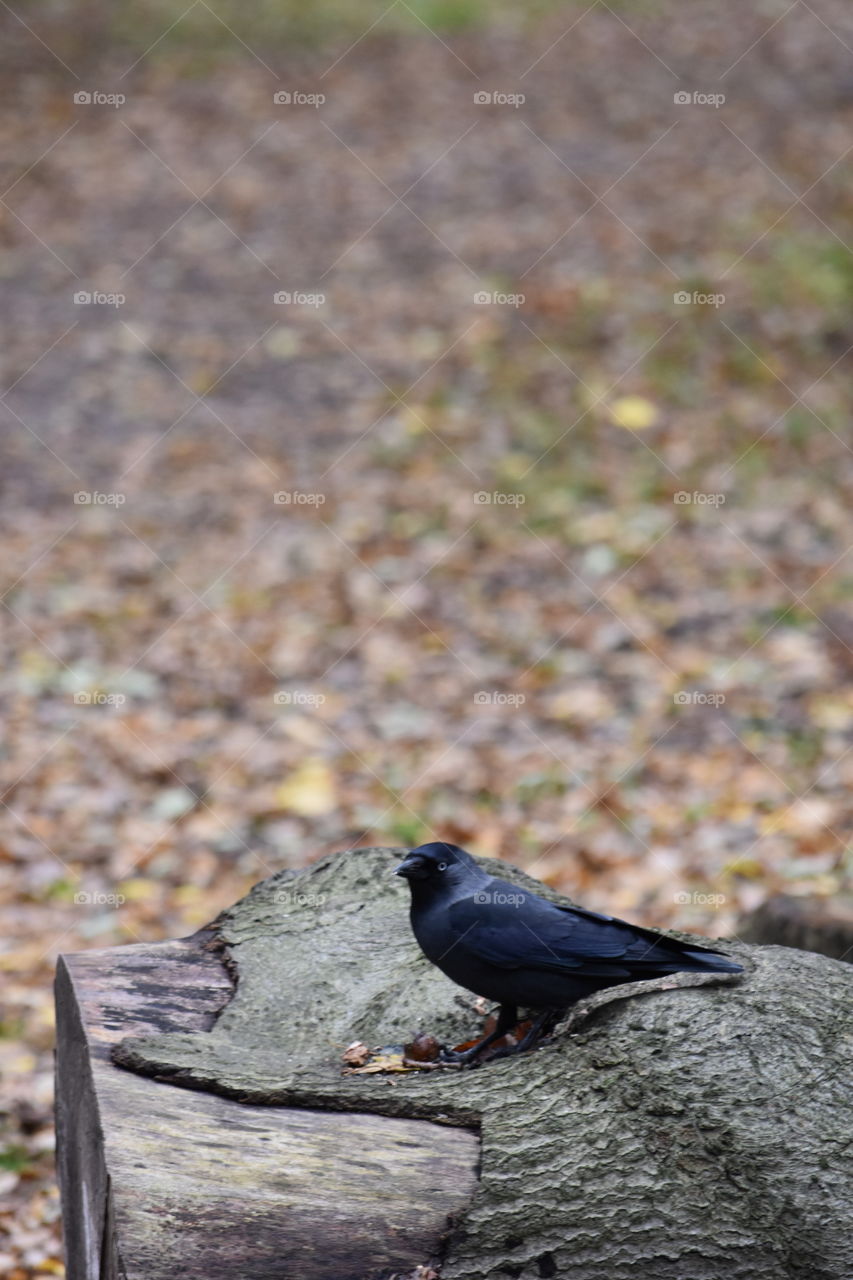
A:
x,y
432,866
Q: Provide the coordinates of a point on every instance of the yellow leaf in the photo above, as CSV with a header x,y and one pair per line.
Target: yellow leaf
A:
x,y
750,868
381,1063
633,412
310,789
196,914
186,895
282,342
514,465
416,419
22,1064
138,889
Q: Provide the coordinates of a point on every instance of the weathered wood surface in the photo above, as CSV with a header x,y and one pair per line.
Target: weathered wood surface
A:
x,y
698,1133
159,1182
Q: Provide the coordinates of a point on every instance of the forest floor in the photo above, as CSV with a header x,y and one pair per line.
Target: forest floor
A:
x,y
562,575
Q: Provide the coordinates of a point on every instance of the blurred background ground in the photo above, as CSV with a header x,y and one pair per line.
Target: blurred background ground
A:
x,y
563,576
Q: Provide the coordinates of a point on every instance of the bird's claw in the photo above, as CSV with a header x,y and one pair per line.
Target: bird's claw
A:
x,y
459,1057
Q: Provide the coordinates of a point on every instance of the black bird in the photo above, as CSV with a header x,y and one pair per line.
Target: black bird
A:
x,y
511,946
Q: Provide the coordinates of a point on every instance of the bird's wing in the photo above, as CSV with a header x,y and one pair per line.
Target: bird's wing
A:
x,y
536,933
510,928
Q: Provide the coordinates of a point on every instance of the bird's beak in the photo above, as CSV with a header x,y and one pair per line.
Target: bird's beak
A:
x,y
411,868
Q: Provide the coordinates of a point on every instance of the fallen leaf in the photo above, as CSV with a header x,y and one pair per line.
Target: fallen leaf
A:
x,y
357,1054
310,789
381,1062
634,413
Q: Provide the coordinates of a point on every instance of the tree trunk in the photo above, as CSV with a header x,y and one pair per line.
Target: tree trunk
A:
x,y
698,1130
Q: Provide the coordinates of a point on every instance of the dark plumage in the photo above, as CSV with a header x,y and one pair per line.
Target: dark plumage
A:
x,y
518,949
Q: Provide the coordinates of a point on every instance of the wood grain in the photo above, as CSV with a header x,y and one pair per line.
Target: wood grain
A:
x,y
159,1182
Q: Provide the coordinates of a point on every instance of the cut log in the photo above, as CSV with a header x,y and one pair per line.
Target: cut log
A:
x,y
157,1182
674,1130
812,924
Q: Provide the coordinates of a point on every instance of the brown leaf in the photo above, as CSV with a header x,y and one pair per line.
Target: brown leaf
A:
x,y
356,1055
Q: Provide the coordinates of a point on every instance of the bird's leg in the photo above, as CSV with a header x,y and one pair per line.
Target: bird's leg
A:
x,y
507,1019
543,1024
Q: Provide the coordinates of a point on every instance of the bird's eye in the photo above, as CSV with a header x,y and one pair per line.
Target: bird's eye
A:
x,y
442,866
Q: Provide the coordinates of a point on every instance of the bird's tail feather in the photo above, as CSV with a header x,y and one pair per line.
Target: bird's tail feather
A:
x,y
713,961
669,955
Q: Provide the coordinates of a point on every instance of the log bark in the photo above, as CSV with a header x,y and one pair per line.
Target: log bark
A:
x,y
157,1182
811,924
673,1130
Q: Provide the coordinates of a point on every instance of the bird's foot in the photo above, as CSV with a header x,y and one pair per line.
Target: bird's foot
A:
x,y
461,1057
489,1047
473,1057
